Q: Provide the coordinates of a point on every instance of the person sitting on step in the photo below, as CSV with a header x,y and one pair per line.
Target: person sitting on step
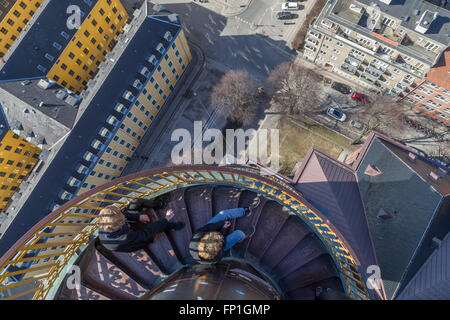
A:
x,y
209,243
120,231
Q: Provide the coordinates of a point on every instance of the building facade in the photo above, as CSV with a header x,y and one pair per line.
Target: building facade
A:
x,y
378,45
14,16
432,94
17,159
97,35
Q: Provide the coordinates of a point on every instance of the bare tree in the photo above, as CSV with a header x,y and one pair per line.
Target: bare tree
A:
x,y
379,113
234,96
294,88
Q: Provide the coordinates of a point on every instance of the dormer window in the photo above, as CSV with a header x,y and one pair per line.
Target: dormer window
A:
x,y
160,48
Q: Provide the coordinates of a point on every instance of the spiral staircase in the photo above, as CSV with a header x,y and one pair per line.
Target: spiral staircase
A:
x,y
293,253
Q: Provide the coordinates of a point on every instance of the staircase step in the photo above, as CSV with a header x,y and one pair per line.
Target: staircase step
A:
x,y
137,265
83,293
225,198
309,292
314,271
103,276
244,223
176,211
271,220
162,253
305,251
199,205
291,233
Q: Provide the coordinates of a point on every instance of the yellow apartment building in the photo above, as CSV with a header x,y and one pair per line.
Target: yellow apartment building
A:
x,y
97,35
17,159
14,15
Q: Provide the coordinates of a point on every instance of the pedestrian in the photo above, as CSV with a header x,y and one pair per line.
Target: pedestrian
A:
x,y
209,243
120,229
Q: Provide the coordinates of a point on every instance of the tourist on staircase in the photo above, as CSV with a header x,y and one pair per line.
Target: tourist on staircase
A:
x,y
129,230
209,243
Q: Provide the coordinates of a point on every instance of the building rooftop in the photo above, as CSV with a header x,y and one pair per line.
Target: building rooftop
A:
x,y
101,98
440,73
4,125
348,14
332,188
438,30
432,281
52,106
403,190
38,48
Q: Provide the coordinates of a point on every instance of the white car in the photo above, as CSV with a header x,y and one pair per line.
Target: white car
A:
x,y
336,114
289,6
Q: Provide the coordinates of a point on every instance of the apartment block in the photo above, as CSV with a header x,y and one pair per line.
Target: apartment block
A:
x,y
96,36
432,94
14,16
78,35
383,46
18,157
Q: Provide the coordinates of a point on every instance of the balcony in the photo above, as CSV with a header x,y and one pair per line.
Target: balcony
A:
x,y
114,275
348,68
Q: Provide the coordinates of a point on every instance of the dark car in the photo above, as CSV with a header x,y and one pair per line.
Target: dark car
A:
x,y
360,97
284,15
342,88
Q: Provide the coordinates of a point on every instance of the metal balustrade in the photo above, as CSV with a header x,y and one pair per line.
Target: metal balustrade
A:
x,y
58,236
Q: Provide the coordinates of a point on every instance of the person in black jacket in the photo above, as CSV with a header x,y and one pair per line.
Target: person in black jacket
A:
x,y
209,243
118,234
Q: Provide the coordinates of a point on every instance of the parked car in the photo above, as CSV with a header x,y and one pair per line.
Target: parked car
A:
x,y
289,6
284,15
342,88
336,114
360,97
356,124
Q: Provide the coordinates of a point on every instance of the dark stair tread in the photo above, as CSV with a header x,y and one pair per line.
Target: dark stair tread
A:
x,y
291,233
83,293
225,198
309,292
162,253
199,204
138,265
105,277
270,222
314,271
305,251
176,211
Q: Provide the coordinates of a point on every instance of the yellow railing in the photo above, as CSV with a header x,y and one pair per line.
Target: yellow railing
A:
x,y
35,261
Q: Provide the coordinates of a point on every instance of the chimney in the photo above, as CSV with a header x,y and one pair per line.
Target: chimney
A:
x,y
425,21
433,176
435,243
372,170
384,215
412,157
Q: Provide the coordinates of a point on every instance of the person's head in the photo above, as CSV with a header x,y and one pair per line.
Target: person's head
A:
x,y
111,219
210,245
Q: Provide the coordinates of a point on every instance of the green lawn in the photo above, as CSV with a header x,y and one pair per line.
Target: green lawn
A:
x,y
297,138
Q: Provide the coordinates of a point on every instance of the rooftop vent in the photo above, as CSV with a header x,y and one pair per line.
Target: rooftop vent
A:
x,y
61,94
157,8
372,170
388,2
441,172
384,215
44,84
173,17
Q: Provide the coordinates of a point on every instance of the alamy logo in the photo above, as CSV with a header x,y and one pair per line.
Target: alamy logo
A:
x,y
74,20
74,279
191,150
374,280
